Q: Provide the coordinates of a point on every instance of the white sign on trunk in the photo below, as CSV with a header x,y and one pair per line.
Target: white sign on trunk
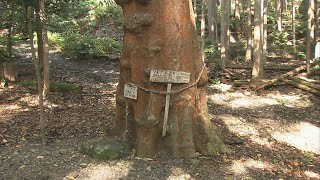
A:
x,y
169,76
317,50
131,91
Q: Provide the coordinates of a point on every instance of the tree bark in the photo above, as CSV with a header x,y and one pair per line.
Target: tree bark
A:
x,y
282,76
43,49
310,33
212,25
225,33
317,30
249,32
203,29
265,32
306,83
293,24
237,17
10,30
149,45
303,87
279,15
257,70
195,11
42,66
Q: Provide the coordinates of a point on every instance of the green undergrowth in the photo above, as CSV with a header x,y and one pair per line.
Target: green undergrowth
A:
x,y
54,86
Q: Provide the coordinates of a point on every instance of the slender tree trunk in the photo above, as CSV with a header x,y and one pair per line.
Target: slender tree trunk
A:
x,y
215,13
249,32
293,24
149,46
237,18
195,10
212,25
284,4
10,29
225,32
30,15
317,30
279,15
310,33
257,69
203,29
36,63
265,33
43,49
43,62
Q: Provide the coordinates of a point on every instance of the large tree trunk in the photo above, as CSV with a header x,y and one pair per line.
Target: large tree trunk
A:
x,y
257,69
149,45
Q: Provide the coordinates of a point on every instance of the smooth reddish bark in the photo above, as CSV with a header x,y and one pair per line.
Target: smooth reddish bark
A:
x,y
161,35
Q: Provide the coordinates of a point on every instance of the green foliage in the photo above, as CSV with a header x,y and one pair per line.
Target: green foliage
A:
x,y
63,87
55,40
315,68
212,51
88,46
280,38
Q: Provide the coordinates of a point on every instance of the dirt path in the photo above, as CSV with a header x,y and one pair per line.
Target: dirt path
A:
x,y
273,135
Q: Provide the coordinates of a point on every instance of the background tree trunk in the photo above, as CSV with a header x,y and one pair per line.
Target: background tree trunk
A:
x,y
212,25
43,49
203,29
310,33
257,69
237,18
42,65
317,27
225,32
279,15
10,29
148,45
265,33
249,32
293,24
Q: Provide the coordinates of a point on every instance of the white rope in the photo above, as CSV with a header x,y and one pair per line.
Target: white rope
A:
x,y
173,91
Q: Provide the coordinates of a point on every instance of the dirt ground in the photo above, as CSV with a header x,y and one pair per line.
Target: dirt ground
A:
x,y
273,134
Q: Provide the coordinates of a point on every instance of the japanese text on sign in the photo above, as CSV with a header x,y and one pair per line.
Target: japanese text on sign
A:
x,y
131,91
169,76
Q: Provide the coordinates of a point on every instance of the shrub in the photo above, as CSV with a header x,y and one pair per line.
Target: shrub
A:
x,y
88,46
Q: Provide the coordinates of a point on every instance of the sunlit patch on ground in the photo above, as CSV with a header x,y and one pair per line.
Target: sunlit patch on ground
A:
x,y
242,167
221,87
103,171
242,100
303,136
248,100
178,173
292,100
240,127
311,174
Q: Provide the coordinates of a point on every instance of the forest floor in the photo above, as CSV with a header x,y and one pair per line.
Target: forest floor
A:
x,y
272,134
